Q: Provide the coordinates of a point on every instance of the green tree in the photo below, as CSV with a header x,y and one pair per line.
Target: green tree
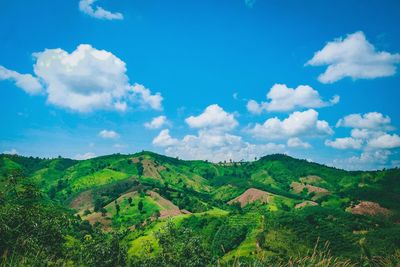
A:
x,y
103,212
98,204
140,205
180,247
117,207
140,168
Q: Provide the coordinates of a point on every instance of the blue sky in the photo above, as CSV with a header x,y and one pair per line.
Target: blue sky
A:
x,y
82,78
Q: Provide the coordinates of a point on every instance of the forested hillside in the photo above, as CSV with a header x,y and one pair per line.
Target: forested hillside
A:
x,y
147,209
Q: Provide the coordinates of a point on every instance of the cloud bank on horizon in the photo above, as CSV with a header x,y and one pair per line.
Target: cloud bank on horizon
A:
x,y
95,84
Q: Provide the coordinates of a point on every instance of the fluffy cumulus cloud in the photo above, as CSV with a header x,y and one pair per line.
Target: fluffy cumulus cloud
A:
x,y
370,129
385,141
255,107
85,80
146,98
85,156
370,133
26,82
108,134
298,123
214,146
87,7
164,139
156,123
213,140
345,143
296,142
282,98
355,57
363,133
213,117
371,120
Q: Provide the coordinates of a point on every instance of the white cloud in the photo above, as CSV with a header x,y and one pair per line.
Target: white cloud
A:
x,y
361,133
146,98
164,139
212,141
213,117
26,82
214,146
89,79
368,160
345,143
120,106
366,134
256,108
369,133
108,134
371,120
85,156
84,80
353,57
385,141
296,142
297,124
13,151
283,98
86,6
156,123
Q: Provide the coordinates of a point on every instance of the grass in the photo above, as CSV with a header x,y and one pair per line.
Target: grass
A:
x,y
102,177
136,246
226,192
7,164
130,214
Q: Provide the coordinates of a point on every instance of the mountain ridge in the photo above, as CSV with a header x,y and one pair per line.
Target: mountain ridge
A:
x,y
264,206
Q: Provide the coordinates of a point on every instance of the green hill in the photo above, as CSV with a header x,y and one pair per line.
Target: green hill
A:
x,y
149,209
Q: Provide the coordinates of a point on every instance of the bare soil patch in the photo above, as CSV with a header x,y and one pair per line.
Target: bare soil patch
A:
x,y
369,208
150,168
251,195
83,201
318,191
168,209
95,217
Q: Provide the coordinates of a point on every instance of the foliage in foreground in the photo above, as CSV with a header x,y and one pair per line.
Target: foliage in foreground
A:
x,y
37,228
36,232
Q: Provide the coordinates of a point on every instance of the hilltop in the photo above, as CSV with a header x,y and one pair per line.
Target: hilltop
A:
x,y
273,208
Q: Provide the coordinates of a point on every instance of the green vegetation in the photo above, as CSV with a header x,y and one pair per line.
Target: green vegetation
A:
x,y
147,209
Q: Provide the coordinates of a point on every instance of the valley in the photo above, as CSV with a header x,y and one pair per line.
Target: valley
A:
x,y
268,211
